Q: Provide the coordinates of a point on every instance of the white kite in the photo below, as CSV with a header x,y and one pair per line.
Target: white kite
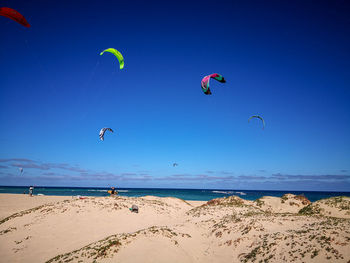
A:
x,y
102,132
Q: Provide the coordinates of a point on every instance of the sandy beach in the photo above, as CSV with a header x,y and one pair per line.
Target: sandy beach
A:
x,y
103,229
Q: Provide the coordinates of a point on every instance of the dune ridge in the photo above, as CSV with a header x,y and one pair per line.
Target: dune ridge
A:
x,y
230,229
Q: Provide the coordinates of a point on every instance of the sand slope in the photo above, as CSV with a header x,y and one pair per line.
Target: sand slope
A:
x,y
13,203
102,229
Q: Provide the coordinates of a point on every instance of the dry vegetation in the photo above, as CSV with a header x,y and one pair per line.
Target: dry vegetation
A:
x,y
270,229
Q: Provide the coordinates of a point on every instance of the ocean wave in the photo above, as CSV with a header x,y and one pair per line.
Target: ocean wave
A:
x,y
229,192
105,191
241,193
223,192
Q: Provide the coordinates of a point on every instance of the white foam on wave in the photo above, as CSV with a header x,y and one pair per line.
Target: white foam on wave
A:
x,y
241,193
229,192
123,191
223,192
97,190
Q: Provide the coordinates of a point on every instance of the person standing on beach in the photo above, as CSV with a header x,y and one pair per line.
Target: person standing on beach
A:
x,y
113,191
31,188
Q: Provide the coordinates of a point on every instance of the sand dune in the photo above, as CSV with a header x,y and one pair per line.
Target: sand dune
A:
x,y
13,203
102,229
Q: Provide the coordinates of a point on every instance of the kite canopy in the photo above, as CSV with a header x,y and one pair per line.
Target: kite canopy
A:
x,y
258,117
205,82
117,54
102,132
14,15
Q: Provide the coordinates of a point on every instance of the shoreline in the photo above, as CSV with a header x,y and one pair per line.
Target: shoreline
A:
x,y
92,196
185,194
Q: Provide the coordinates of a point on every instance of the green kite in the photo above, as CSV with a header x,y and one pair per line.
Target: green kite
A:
x,y
117,54
258,117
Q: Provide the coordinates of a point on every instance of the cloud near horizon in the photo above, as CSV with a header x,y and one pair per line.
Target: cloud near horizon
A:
x,y
32,164
46,172
15,159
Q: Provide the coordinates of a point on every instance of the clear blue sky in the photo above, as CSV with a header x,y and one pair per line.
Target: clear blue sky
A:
x,y
288,61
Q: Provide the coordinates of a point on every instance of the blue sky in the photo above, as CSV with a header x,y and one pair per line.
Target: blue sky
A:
x,y
286,61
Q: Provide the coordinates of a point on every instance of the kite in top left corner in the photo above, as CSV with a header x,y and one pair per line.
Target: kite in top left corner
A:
x,y
102,132
14,15
116,53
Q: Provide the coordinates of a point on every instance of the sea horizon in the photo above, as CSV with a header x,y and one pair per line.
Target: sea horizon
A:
x,y
193,194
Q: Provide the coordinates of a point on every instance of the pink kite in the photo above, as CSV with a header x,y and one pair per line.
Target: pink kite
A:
x,y
205,82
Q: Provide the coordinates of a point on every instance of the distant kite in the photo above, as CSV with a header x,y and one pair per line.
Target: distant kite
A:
x,y
14,15
258,117
117,54
205,82
102,132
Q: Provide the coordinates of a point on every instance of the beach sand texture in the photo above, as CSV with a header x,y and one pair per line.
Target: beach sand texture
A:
x,y
231,229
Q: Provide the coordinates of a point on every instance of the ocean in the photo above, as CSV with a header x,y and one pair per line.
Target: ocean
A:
x,y
186,194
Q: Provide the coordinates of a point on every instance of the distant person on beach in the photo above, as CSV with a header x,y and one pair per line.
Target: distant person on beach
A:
x,y
113,191
31,189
